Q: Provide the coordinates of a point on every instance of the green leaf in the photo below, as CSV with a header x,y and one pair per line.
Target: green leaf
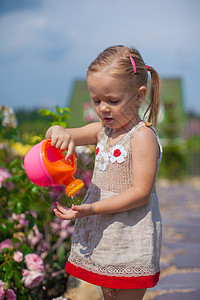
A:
x,y
9,275
17,279
3,228
1,257
61,253
18,207
25,249
14,162
9,271
44,112
15,240
21,297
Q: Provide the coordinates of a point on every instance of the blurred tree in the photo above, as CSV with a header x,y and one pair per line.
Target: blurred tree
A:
x,y
173,164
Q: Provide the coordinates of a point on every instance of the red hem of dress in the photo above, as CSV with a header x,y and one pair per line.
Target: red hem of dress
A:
x,y
113,282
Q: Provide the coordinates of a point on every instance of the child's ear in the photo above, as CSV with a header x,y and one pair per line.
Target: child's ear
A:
x,y
141,95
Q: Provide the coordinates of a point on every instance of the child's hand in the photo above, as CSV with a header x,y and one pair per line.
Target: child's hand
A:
x,y
76,211
61,139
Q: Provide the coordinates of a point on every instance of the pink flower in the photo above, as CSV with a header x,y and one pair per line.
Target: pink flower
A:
x,y
25,272
34,262
18,256
2,292
89,112
9,185
21,220
14,216
33,213
64,234
34,236
4,174
87,105
71,230
55,227
43,246
32,279
10,295
33,276
65,224
5,244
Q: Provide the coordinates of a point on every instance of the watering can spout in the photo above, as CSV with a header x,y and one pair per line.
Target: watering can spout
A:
x,y
72,186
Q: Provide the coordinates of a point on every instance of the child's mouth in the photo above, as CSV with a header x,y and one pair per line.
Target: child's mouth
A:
x,y
107,120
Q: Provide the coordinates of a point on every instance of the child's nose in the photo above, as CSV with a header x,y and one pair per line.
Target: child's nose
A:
x,y
104,107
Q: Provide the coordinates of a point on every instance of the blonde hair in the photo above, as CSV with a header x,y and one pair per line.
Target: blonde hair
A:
x,y
117,60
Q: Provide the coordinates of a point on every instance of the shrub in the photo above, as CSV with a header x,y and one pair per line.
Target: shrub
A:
x,y
34,243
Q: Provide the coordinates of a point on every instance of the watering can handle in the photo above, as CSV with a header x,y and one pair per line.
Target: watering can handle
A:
x,y
71,161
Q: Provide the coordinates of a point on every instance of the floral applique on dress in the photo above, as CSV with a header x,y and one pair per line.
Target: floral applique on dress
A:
x,y
116,154
99,150
102,157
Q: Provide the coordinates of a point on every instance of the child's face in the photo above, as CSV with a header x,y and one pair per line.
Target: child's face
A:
x,y
115,104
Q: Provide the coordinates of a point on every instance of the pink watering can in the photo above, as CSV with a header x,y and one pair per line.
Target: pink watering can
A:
x,y
46,166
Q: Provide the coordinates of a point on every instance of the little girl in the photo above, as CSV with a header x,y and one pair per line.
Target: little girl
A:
x,y
117,236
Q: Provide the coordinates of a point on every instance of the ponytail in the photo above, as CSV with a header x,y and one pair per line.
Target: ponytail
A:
x,y
154,97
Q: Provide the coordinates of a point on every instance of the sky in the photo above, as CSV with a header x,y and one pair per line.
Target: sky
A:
x,y
45,45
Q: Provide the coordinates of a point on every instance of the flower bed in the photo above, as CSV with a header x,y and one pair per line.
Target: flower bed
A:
x,y
34,243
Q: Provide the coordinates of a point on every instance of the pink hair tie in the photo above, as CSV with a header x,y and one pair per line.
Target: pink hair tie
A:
x,y
133,63
148,68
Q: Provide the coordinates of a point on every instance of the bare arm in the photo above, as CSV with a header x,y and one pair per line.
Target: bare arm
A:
x,y
69,138
145,155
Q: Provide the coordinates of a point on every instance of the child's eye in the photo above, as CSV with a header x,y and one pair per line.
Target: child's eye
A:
x,y
96,101
115,101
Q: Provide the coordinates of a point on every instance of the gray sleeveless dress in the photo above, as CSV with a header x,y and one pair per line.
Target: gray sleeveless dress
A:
x,y
118,250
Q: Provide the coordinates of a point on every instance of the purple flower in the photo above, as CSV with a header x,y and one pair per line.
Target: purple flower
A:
x,y
87,177
4,174
9,185
56,192
10,295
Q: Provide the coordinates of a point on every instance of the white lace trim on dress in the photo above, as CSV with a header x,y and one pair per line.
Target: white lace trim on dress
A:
x,y
128,271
